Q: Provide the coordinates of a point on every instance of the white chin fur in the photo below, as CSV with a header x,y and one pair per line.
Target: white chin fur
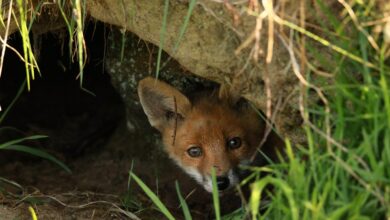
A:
x,y
194,174
233,178
206,181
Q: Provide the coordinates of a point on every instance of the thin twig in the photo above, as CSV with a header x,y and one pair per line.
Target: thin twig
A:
x,y
358,26
219,19
268,6
375,22
175,125
117,208
302,18
268,128
268,91
4,40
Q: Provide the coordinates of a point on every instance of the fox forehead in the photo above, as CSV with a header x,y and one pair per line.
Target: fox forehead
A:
x,y
210,125
209,115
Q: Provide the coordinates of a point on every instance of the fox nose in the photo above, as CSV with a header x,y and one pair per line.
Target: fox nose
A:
x,y
222,183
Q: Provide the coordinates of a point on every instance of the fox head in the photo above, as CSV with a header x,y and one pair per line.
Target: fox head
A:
x,y
203,132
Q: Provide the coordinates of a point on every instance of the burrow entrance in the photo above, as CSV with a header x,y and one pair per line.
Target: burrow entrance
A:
x,y
88,130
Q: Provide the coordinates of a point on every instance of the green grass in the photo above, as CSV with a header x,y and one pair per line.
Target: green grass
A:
x,y
163,31
16,146
345,175
183,203
161,207
70,24
215,195
162,36
343,172
28,54
183,28
24,14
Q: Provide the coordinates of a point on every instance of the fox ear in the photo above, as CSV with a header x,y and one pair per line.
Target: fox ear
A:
x,y
161,102
230,95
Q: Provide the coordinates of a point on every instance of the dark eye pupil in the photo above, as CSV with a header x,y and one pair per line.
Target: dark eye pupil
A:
x,y
194,152
234,143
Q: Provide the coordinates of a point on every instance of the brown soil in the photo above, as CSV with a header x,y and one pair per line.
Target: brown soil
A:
x,y
97,188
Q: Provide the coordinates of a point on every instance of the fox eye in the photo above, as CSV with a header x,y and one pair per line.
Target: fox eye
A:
x,y
194,151
234,143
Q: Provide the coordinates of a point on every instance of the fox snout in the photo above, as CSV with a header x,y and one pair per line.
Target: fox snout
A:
x,y
226,182
223,183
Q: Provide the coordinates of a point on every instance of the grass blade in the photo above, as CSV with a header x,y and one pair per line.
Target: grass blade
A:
x,y
162,36
163,209
20,91
69,25
30,61
183,203
215,195
185,24
38,153
32,212
258,188
17,141
78,13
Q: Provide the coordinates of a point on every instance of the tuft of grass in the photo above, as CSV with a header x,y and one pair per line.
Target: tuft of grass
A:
x,y
342,171
259,188
79,15
28,54
25,14
129,201
340,174
70,24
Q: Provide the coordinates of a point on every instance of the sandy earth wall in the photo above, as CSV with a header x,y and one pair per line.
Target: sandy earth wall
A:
x,y
207,48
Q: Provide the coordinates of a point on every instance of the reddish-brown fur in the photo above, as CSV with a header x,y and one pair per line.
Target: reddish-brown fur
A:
x,y
209,124
206,121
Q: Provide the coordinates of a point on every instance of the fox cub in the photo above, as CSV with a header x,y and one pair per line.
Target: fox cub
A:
x,y
203,131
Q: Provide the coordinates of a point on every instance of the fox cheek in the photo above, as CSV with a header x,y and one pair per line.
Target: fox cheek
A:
x,y
194,174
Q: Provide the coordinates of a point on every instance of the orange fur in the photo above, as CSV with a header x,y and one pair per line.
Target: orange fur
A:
x,y
205,121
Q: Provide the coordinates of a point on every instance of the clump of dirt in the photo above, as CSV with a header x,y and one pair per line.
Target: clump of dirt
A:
x,y
87,130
